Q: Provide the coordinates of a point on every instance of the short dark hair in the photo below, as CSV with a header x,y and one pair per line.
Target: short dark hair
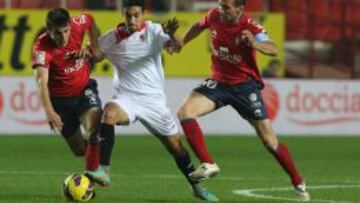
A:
x,y
57,17
129,3
240,2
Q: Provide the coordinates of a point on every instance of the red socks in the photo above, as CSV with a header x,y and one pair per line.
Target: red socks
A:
x,y
283,156
92,155
196,140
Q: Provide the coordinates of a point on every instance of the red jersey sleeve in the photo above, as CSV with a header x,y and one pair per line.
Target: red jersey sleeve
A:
x,y
205,21
254,26
40,56
84,21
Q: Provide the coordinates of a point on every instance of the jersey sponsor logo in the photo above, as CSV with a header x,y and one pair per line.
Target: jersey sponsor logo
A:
x,y
224,54
79,63
40,57
271,100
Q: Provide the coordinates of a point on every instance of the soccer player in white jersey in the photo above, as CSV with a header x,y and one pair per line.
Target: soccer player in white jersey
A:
x,y
134,48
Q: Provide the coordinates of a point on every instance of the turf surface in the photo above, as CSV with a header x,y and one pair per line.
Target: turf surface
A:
x,y
32,169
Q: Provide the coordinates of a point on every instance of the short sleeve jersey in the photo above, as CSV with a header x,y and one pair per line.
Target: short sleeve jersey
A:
x,y
67,76
233,59
136,57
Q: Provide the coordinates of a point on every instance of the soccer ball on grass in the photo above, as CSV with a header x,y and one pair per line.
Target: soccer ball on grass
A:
x,y
78,187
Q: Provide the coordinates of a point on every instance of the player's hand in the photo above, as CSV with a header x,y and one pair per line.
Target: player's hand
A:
x,y
54,121
170,26
248,37
172,48
79,54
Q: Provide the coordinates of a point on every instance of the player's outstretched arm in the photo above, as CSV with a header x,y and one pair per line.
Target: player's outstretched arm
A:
x,y
264,47
42,77
192,33
94,43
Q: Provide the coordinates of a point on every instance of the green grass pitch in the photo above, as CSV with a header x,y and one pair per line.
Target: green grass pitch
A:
x,y
32,169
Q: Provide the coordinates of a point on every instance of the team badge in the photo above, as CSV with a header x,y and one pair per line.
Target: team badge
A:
x,y
40,57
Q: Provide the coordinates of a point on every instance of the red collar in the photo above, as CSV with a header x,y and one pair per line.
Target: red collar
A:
x,y
122,32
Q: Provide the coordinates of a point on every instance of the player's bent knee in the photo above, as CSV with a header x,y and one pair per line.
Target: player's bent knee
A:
x,y
110,117
91,133
185,113
113,114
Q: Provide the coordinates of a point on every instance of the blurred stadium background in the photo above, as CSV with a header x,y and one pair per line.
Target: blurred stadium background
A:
x,y
313,97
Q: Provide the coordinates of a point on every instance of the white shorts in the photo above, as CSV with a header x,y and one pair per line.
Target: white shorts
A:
x,y
152,112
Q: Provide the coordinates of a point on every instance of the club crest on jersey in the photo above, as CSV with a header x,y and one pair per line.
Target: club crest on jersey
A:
x,y
40,57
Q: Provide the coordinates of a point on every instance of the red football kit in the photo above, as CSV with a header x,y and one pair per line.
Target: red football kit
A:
x,y
233,59
67,76
234,66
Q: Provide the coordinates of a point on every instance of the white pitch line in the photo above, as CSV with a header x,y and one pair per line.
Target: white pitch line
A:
x,y
244,192
253,193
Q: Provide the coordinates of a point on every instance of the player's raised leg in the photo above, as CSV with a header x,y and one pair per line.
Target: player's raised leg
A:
x,y
113,114
282,155
194,106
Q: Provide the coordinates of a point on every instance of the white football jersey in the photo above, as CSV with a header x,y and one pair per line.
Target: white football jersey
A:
x,y
136,58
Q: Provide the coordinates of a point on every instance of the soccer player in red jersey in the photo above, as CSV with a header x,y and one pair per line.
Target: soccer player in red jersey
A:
x,y
62,70
235,81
